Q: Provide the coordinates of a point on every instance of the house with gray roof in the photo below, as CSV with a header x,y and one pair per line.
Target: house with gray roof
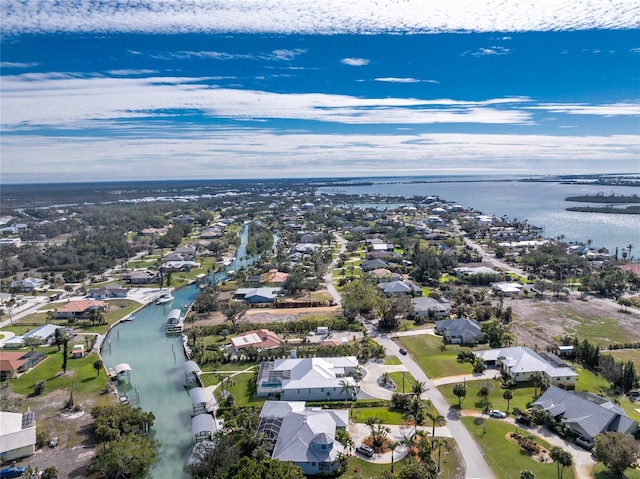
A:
x,y
585,413
460,331
400,288
308,379
112,290
27,284
520,363
426,305
371,264
304,436
257,295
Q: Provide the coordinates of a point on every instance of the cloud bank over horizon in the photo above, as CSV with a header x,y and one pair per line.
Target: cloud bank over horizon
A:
x,y
255,88
327,17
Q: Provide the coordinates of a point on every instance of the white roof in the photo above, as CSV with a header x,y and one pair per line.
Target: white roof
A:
x,y
245,340
191,367
199,396
524,360
315,372
203,423
122,367
12,436
281,408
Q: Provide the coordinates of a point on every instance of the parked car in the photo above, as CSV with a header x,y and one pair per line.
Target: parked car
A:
x,y
523,421
403,351
366,450
12,471
497,414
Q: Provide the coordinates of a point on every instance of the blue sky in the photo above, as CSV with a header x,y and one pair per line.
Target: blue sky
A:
x,y
93,90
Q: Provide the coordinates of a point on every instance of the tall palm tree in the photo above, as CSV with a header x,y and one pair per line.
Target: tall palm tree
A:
x,y
440,443
418,389
435,418
347,388
392,447
629,248
536,378
508,395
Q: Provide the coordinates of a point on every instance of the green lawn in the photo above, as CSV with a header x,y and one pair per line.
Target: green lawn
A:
x,y
506,458
626,355
522,395
392,360
409,380
83,375
240,390
388,415
426,351
230,367
601,472
601,331
359,468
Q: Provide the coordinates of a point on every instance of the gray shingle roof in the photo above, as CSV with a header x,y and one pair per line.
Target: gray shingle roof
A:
x,y
584,416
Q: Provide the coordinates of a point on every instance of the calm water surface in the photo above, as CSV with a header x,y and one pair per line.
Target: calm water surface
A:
x,y
542,204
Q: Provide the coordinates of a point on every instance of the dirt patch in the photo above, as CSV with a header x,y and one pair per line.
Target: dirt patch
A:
x,y
264,315
537,321
74,430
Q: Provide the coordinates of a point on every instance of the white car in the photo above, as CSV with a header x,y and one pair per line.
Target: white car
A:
x,y
366,450
497,414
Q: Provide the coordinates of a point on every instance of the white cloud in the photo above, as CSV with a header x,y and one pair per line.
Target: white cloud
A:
x,y
17,65
328,16
64,100
355,62
494,50
612,109
131,72
404,80
252,153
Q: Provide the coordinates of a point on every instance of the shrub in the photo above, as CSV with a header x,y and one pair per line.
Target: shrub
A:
x,y
39,387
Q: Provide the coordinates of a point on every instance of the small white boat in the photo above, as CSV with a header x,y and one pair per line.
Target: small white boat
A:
x,y
129,317
165,298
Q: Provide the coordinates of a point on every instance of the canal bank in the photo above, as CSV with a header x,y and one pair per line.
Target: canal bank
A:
x,y
157,378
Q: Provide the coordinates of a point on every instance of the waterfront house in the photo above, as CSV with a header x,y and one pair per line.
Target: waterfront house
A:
x,y
80,309
520,363
112,290
586,414
308,379
47,333
304,436
371,264
140,277
257,295
259,339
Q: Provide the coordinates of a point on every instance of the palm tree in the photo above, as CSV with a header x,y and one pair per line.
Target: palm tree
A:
x,y
418,389
536,379
415,410
562,458
629,248
435,418
440,443
484,392
98,365
508,395
392,447
347,388
527,475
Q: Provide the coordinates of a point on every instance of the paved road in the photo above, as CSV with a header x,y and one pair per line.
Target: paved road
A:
x,y
476,465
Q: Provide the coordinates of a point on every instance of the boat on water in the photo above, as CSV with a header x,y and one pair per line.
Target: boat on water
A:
x,y
129,317
165,298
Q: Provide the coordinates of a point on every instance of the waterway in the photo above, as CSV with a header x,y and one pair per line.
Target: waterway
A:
x,y
157,376
540,203
156,361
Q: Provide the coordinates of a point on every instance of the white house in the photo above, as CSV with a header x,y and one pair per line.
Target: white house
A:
x,y
521,362
308,379
17,435
304,436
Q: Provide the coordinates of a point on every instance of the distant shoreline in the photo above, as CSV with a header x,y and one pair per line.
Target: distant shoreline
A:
x,y
620,199
629,210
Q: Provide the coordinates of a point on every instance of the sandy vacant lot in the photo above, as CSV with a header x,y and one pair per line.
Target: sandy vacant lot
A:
x,y
538,320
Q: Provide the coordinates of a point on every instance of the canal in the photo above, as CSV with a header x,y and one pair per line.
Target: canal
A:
x,y
157,377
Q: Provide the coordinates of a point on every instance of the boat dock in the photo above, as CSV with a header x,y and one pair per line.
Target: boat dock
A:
x,y
175,322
